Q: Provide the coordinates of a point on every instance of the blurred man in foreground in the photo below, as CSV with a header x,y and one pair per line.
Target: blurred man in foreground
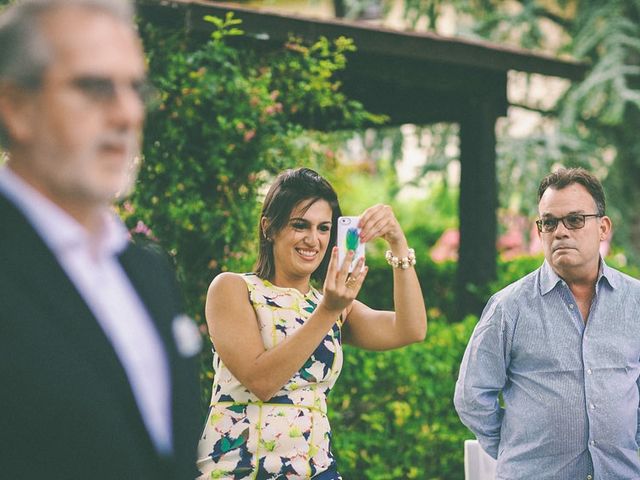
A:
x,y
97,362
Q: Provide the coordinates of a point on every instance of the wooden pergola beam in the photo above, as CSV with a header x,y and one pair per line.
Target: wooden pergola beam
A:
x,y
378,40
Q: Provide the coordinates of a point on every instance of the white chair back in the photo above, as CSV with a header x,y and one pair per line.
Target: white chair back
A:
x,y
478,464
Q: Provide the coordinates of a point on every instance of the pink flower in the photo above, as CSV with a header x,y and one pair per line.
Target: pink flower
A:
x,y
249,134
142,229
128,207
446,248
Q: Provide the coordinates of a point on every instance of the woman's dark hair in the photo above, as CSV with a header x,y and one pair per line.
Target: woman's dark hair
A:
x,y
567,176
287,191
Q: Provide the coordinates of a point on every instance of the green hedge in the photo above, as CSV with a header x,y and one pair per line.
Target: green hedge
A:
x,y
392,412
437,280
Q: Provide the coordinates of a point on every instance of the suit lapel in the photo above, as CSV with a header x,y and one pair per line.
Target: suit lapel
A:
x,y
151,285
151,288
152,278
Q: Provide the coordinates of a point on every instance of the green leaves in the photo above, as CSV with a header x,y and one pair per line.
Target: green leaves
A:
x,y
392,412
228,119
224,27
314,97
610,36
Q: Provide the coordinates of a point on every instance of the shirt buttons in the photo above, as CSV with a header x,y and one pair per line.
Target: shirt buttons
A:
x,y
571,306
589,371
592,443
589,477
592,406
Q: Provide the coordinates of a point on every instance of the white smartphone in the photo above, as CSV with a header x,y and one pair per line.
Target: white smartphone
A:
x,y
349,239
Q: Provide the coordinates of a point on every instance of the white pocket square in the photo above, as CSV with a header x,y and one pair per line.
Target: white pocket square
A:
x,y
186,335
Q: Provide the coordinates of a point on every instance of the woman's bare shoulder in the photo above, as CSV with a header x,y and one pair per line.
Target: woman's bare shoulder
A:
x,y
227,283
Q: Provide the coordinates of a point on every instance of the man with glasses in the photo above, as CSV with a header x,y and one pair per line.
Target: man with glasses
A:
x,y
98,370
562,348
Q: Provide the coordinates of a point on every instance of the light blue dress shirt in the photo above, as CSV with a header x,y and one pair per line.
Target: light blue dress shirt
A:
x,y
569,389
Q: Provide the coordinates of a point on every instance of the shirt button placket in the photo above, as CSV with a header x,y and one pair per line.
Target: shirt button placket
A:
x,y
588,382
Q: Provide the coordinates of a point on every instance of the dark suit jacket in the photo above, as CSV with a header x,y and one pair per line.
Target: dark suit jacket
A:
x,y
66,408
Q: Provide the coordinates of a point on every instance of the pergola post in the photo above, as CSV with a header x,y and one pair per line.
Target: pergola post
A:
x,y
477,204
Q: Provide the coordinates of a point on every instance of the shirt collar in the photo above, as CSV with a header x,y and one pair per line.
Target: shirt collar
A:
x,y
608,274
549,278
57,228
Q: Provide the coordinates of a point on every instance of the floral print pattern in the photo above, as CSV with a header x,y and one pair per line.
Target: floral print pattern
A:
x,y
288,437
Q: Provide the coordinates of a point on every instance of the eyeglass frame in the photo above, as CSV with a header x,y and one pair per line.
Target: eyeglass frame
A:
x,y
539,222
104,90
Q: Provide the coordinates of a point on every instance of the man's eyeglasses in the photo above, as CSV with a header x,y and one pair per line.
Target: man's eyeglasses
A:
x,y
104,90
573,221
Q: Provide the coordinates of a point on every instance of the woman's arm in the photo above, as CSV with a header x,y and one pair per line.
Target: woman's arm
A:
x,y
384,330
233,329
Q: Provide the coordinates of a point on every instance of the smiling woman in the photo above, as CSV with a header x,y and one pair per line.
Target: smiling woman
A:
x,y
268,413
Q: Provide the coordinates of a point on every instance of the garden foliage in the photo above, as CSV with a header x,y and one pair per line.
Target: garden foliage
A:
x,y
392,412
225,120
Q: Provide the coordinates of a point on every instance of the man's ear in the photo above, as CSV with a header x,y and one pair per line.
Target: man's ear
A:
x,y
17,110
605,228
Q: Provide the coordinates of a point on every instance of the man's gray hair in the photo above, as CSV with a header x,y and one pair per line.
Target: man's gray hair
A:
x,y
25,53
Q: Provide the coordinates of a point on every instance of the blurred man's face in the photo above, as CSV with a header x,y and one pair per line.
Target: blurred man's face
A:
x,y
83,133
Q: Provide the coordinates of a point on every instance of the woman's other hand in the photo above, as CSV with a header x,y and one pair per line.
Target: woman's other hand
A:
x,y
379,221
407,323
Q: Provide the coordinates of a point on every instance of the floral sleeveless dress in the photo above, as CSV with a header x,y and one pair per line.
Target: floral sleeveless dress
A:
x,y
289,436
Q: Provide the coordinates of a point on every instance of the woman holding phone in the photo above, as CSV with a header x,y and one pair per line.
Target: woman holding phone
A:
x,y
278,340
